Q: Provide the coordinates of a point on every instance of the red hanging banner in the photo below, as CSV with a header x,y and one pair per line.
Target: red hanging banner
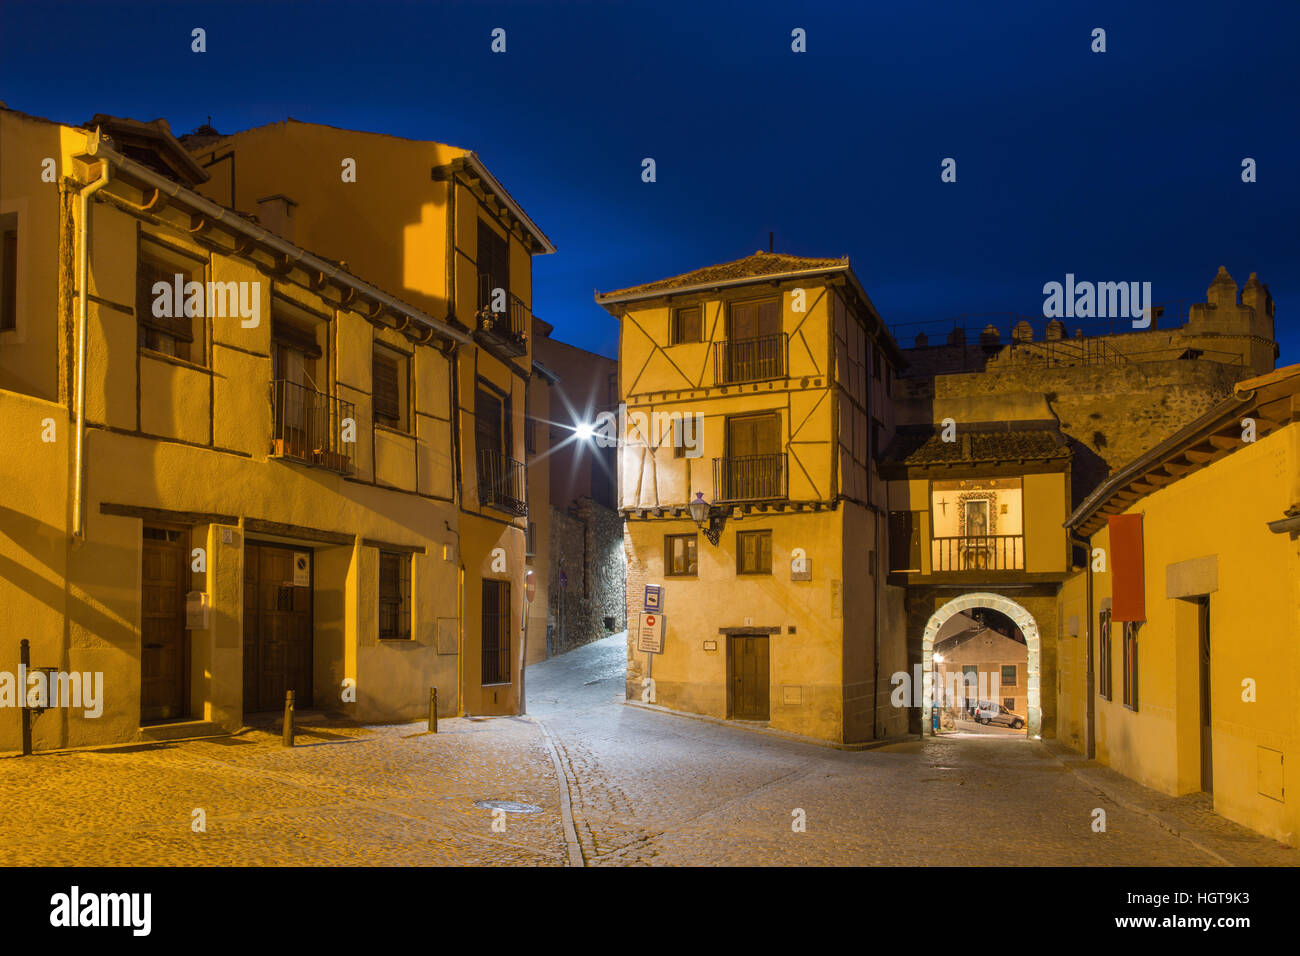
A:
x,y
1128,581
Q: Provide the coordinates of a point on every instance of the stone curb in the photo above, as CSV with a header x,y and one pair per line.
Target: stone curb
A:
x,y
771,732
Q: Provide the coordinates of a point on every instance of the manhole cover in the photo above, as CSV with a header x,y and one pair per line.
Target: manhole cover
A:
x,y
509,806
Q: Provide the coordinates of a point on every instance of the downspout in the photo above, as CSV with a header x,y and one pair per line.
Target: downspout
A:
x,y
1090,716
83,282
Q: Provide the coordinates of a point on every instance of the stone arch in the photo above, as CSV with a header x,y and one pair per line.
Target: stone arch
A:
x,y
1023,620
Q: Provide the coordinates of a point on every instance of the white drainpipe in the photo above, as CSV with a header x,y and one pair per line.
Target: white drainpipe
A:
x,y
83,290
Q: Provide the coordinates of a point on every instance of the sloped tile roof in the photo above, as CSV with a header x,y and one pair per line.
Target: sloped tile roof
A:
x,y
751,267
976,447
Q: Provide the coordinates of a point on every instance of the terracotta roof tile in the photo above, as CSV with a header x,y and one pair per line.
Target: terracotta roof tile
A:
x,y
928,448
751,267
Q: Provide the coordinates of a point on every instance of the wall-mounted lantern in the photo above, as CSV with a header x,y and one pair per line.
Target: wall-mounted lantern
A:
x,y
701,512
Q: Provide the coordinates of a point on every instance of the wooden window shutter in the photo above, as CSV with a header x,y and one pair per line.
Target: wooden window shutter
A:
x,y
9,280
385,388
149,272
299,339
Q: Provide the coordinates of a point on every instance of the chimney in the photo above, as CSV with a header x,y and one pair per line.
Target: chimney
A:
x,y
278,213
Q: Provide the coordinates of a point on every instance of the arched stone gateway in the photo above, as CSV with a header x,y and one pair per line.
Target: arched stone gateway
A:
x,y
1023,620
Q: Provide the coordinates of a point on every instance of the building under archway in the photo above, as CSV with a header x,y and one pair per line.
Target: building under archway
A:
x,y
1019,616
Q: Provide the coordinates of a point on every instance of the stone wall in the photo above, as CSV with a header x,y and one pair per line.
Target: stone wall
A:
x,y
587,594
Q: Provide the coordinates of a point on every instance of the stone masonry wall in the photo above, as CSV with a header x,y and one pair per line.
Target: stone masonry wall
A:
x,y
586,583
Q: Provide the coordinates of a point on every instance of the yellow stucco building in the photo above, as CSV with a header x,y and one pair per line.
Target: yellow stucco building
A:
x,y
1181,656
760,390
286,476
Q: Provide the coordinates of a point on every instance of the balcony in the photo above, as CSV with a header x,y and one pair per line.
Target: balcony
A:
x,y
986,552
307,426
505,331
502,483
750,360
751,478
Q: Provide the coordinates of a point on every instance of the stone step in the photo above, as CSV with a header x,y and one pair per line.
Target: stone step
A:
x,y
182,730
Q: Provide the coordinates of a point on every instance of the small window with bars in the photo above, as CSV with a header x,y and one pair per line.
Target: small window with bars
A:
x,y
392,388
1009,675
394,596
687,325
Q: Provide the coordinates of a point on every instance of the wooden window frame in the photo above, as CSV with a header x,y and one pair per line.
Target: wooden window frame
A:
x,y
481,262
761,534
669,563
10,253
676,325
757,302
402,561
402,421
181,333
1129,663
1015,675
1105,676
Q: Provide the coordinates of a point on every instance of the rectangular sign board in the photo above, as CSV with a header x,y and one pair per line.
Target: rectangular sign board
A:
x,y
654,598
650,633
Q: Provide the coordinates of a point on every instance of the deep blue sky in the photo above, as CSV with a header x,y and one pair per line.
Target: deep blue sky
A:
x,y
1116,166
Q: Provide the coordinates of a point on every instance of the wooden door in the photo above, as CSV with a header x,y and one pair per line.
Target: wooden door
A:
x,y
495,633
752,471
749,677
752,435
164,658
751,320
1207,737
277,629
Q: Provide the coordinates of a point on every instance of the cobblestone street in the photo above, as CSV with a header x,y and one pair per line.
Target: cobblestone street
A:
x,y
643,787
655,788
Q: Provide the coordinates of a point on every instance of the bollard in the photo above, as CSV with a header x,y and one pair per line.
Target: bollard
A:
x,y
288,718
433,710
24,662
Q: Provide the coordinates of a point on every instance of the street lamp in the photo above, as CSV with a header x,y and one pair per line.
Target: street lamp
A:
x,y
702,511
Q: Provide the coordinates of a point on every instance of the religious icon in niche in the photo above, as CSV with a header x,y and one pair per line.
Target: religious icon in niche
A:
x,y
977,517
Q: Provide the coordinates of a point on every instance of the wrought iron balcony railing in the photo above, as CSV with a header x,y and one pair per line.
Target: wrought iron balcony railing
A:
x,y
502,321
750,478
307,426
980,552
750,360
502,482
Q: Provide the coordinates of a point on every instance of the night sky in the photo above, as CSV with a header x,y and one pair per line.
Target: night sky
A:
x,y
1119,166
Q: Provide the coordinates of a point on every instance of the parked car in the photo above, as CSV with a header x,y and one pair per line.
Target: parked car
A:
x,y
987,712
